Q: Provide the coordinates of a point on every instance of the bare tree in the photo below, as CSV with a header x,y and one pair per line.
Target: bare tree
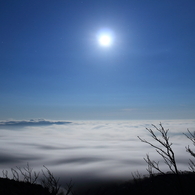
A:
x,y
28,174
165,151
191,136
50,182
69,187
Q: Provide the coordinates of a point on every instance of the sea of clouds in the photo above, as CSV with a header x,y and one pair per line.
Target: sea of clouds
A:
x,y
88,150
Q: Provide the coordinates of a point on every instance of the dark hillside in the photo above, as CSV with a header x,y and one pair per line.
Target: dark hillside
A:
x,y
167,184
12,187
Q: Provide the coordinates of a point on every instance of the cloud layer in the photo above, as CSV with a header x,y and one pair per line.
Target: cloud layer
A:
x,y
88,150
31,122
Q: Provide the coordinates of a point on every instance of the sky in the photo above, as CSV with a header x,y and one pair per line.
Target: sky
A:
x,y
80,80
54,67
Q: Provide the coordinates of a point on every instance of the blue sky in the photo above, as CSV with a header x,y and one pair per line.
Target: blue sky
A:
x,y
52,65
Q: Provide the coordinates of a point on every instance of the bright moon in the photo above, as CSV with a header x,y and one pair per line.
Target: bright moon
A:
x,y
105,40
105,37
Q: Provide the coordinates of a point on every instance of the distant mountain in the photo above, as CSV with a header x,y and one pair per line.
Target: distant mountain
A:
x,y
32,123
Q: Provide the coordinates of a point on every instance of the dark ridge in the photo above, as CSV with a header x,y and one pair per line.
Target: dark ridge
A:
x,y
167,184
32,123
12,187
162,184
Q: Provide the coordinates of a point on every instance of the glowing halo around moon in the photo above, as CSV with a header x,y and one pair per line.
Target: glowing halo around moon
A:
x,y
105,38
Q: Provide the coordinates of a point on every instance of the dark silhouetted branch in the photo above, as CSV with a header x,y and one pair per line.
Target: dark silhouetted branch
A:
x,y
165,151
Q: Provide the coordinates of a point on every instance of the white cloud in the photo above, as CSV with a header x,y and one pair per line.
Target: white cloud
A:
x,y
100,149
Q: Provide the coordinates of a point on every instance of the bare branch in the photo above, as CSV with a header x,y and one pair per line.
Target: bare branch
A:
x,y
50,182
165,151
28,174
69,187
15,174
151,165
191,137
192,166
5,173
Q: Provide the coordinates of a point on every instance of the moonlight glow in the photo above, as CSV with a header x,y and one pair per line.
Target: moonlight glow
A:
x,y
105,37
105,40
